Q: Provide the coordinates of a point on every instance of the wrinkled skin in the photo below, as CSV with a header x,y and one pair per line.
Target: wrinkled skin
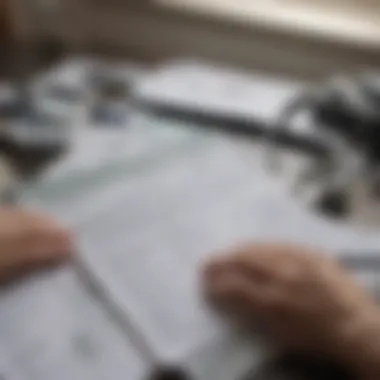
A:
x,y
30,241
307,300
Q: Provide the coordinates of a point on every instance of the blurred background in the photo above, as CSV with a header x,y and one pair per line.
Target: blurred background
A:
x,y
176,128
312,38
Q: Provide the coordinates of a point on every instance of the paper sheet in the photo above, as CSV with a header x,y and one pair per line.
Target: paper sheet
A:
x,y
149,245
193,86
51,329
149,205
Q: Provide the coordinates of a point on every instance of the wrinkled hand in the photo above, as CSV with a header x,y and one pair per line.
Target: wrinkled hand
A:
x,y
307,300
28,241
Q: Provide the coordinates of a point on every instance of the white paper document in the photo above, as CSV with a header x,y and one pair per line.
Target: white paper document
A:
x,y
145,236
51,329
149,204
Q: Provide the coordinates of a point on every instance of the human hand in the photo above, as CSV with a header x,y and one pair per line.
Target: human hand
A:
x,y
28,241
308,301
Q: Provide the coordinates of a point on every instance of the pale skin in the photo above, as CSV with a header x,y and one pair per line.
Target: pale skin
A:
x,y
307,300
30,241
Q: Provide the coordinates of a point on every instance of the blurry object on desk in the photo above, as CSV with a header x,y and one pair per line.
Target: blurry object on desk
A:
x,y
213,94
51,112
32,147
344,113
100,89
110,93
237,101
31,135
334,125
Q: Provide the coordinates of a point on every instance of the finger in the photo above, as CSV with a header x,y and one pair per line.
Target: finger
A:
x,y
215,266
237,292
50,252
47,246
256,271
251,259
62,238
244,253
273,261
52,248
18,270
44,226
270,250
255,265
